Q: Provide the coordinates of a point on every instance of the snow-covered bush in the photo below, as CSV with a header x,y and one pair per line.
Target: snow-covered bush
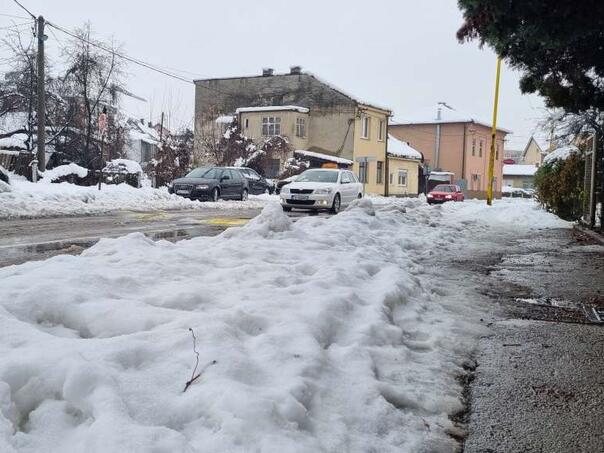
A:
x,y
72,173
559,185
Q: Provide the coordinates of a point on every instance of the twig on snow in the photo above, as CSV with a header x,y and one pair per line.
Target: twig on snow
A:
x,y
194,376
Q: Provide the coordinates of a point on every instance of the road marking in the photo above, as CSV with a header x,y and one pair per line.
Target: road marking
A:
x,y
225,221
151,216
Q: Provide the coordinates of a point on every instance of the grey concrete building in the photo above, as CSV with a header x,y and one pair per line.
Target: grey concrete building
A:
x,y
332,112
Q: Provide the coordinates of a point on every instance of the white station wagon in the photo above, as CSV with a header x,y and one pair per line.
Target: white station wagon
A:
x,y
321,188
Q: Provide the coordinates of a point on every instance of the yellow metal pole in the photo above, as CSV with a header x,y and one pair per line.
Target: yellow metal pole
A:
x,y
493,137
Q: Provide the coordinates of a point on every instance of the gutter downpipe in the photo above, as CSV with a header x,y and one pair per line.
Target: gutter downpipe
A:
x,y
386,164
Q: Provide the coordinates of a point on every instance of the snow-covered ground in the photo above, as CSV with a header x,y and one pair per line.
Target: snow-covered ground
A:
x,y
25,199
334,334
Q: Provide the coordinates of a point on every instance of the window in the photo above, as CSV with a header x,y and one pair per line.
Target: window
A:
x,y
473,147
271,125
247,123
363,172
480,148
365,125
402,177
497,151
300,127
379,179
346,178
391,178
352,177
381,130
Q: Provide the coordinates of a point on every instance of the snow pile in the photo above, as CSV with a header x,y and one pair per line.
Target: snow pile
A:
x,y
561,153
27,199
336,334
123,166
64,170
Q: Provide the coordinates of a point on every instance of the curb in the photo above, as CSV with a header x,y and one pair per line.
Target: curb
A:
x,y
592,234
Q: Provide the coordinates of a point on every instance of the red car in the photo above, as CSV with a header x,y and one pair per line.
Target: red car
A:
x,y
445,192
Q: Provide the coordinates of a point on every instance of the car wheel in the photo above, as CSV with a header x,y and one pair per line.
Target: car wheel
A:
x,y
335,207
215,194
287,208
360,195
244,195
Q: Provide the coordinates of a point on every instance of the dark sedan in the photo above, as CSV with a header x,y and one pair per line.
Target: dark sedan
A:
x,y
257,184
212,183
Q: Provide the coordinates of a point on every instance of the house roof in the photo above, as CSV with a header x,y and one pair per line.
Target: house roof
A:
x,y
519,170
327,157
273,108
303,74
142,132
447,116
399,148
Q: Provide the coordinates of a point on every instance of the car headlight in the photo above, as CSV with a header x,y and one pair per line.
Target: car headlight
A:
x,y
430,195
448,197
285,189
323,191
202,186
170,185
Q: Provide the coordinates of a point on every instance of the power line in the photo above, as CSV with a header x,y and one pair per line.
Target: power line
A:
x,y
15,26
24,9
12,16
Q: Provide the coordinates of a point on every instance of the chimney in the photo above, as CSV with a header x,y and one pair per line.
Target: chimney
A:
x,y
295,70
267,72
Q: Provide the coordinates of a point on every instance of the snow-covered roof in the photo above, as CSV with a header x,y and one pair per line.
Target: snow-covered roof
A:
x,y
561,153
519,170
399,148
142,132
442,173
225,119
273,108
447,115
327,157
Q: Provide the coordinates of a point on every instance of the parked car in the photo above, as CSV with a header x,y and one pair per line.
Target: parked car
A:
x,y
212,183
445,192
257,184
318,189
283,182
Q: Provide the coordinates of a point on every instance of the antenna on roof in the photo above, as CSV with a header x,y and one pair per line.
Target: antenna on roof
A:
x,y
444,104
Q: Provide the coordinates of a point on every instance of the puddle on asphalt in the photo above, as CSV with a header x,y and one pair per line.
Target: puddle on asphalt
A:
x,y
21,254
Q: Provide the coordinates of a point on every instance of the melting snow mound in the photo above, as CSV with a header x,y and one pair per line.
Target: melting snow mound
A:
x,y
324,334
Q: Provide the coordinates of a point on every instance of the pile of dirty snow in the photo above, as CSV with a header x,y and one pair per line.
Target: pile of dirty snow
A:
x,y
26,199
326,334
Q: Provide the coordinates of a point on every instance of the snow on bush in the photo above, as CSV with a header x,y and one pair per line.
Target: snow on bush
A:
x,y
330,334
27,199
64,170
123,166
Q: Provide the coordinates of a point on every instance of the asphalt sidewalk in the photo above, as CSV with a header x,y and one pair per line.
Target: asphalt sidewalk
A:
x,y
538,385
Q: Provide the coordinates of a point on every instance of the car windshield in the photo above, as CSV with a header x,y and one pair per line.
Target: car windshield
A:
x,y
318,176
442,188
198,172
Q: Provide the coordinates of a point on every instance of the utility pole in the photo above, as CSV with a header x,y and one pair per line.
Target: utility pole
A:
x,y
493,137
437,139
41,111
161,128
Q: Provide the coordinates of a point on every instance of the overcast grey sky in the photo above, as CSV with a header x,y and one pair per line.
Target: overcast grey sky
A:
x,y
400,54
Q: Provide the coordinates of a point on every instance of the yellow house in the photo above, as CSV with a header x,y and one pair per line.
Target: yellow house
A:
x,y
403,168
369,149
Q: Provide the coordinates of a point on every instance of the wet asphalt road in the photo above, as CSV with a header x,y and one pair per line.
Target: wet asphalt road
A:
x,y
538,381
25,240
